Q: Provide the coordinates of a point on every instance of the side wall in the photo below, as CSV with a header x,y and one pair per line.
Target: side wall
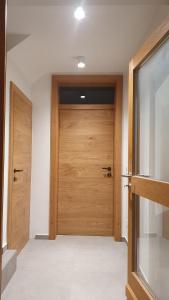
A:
x,y
41,97
13,74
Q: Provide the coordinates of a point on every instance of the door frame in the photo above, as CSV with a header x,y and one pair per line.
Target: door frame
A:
x,y
85,80
138,184
3,9
13,90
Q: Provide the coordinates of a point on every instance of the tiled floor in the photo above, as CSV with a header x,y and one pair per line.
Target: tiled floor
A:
x,y
70,268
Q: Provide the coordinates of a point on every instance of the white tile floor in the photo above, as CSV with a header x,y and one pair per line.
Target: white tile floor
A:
x,y
70,268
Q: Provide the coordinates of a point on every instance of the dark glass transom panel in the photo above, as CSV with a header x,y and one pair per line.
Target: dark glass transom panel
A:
x,y
87,95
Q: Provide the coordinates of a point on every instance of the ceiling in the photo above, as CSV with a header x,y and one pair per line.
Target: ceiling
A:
x,y
108,37
90,2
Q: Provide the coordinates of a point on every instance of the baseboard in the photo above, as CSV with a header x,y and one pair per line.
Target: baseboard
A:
x,y
4,248
150,235
41,237
9,261
124,240
130,294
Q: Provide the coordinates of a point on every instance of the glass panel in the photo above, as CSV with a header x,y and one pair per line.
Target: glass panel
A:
x,y
87,95
152,111
153,247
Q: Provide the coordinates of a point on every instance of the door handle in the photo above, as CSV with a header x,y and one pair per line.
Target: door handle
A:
x,y
127,185
108,169
130,175
127,175
143,175
17,171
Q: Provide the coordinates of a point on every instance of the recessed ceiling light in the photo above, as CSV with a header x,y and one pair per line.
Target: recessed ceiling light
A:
x,y
79,13
80,61
81,65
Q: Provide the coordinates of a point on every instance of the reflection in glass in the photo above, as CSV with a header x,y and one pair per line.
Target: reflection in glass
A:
x,y
153,247
152,105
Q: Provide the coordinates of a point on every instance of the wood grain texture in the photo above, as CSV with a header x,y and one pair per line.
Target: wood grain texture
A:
x,y
85,80
117,159
20,154
141,186
54,159
153,190
85,205
129,293
87,106
2,112
139,289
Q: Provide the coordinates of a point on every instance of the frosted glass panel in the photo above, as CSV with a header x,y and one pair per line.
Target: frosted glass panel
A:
x,y
152,111
153,247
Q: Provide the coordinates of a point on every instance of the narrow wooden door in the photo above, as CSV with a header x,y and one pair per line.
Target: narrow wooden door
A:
x,y
20,169
85,204
148,265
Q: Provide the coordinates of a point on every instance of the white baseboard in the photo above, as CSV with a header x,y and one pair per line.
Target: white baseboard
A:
x,y
41,237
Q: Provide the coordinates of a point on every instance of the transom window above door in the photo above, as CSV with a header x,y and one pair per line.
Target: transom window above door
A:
x,y
87,95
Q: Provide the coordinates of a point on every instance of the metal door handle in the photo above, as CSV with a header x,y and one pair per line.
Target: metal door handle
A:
x,y
130,175
127,175
17,171
143,175
127,185
108,169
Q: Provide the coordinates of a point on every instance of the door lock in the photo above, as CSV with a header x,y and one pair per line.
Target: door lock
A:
x,y
108,169
108,175
16,171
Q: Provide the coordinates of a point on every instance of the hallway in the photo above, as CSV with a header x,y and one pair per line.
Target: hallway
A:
x,y
70,268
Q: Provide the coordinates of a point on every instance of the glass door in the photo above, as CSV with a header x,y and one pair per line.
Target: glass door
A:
x,y
148,272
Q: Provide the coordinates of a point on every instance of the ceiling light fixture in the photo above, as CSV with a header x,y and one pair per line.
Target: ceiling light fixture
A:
x,y
81,65
80,62
79,13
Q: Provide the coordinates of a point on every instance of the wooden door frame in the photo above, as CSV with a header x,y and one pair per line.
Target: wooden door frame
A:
x,y
85,80
148,48
3,9
13,90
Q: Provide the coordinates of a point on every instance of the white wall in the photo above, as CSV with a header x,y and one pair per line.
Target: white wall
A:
x,y
39,217
13,74
41,95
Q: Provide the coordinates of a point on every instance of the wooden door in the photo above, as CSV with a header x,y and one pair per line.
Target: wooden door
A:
x,y
20,169
85,205
148,260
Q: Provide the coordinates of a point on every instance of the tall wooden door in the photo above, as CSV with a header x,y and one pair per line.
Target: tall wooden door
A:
x,y
85,204
148,265
20,169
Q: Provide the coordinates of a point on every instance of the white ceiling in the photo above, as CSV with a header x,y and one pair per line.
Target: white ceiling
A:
x,y
92,2
108,37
